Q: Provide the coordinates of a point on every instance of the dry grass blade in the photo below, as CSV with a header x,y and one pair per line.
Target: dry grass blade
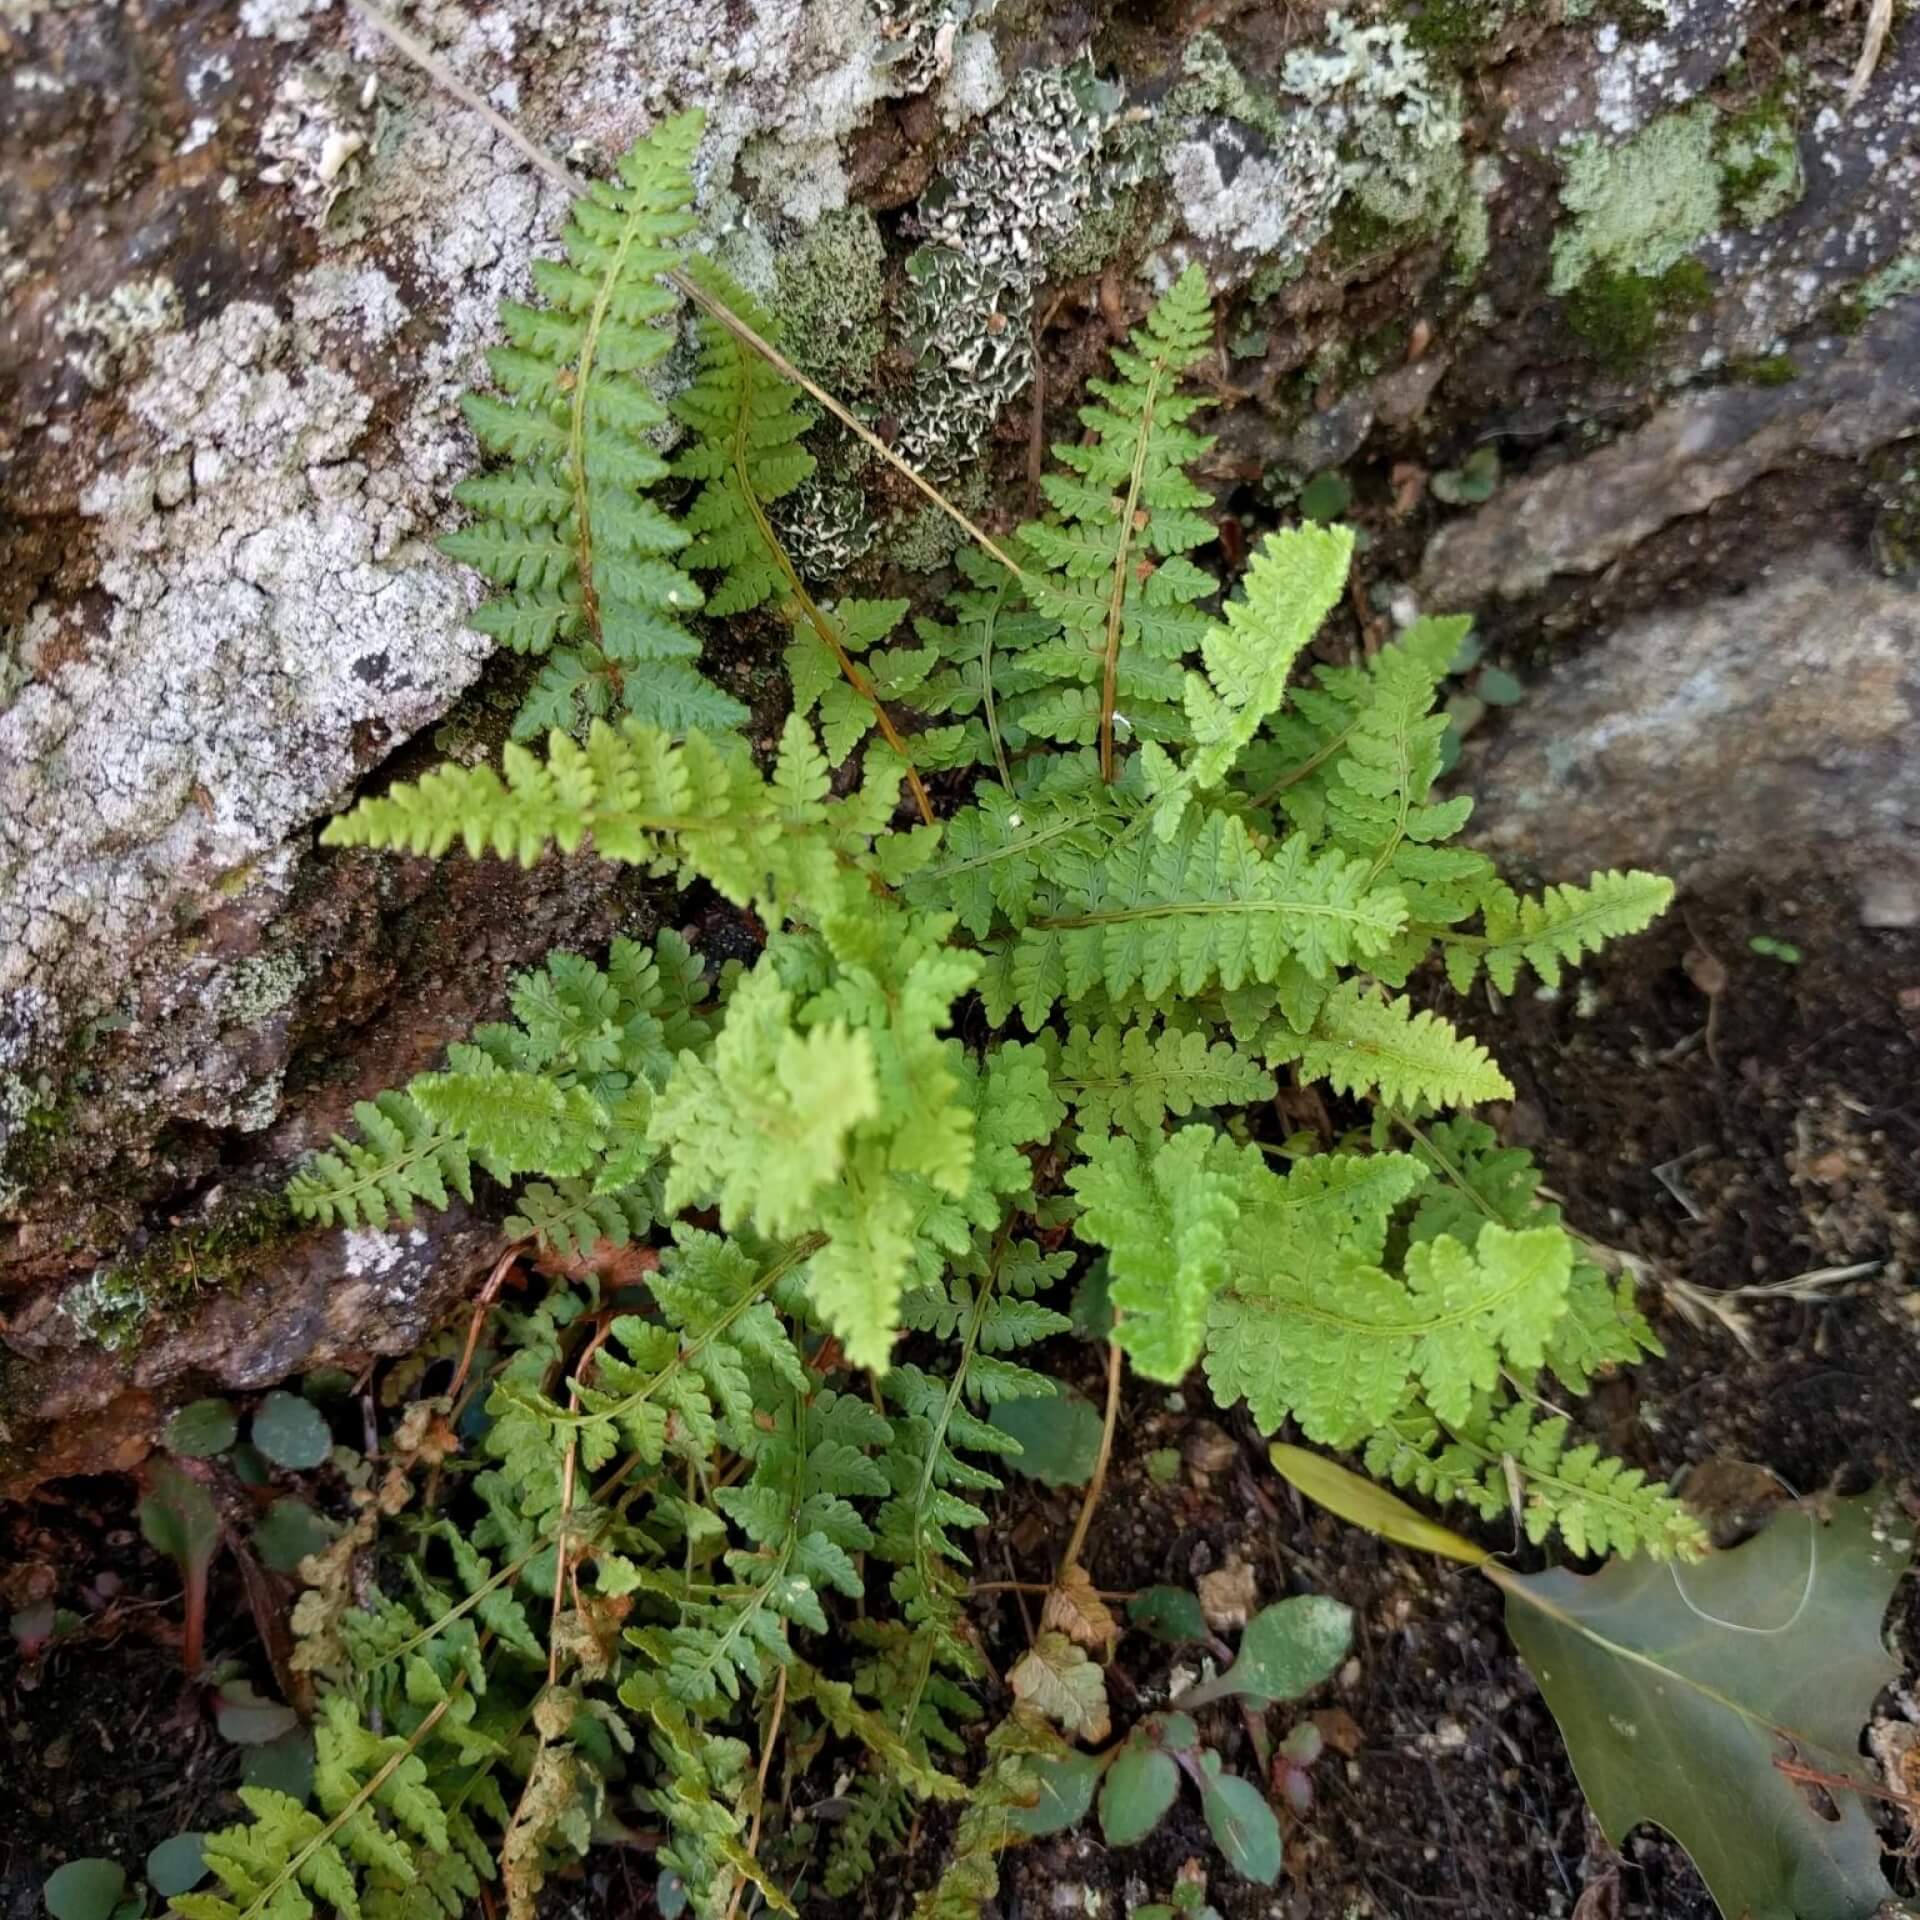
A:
x,y
1879,25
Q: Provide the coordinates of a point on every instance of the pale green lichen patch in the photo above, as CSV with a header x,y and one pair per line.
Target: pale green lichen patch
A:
x,y
259,987
1640,207
829,288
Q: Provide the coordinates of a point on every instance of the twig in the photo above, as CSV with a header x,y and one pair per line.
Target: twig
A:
x,y
760,1786
1879,25
1071,1558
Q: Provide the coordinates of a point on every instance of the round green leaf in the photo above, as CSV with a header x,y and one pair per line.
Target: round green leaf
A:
x,y
1066,1792
1091,1310
178,1516
1168,1613
1326,496
1285,1650
247,1720
1498,688
177,1865
1243,1827
285,1765
84,1890
1059,1437
289,1532
290,1432
202,1429
1141,1785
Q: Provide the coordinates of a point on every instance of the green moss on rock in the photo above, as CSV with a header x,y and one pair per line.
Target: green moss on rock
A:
x,y
1638,209
1622,317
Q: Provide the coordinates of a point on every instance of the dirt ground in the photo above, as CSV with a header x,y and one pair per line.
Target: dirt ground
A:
x,y
1730,1141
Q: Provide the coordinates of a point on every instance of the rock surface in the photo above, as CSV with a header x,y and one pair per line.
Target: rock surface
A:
x,y
249,258
1766,736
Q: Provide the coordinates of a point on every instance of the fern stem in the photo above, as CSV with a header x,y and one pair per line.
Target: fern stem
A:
x,y
819,622
988,705
1097,1485
1305,770
760,1782
1117,594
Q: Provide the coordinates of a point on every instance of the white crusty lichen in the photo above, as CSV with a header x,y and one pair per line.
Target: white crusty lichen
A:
x,y
107,337
1017,195
251,626
1397,123
324,120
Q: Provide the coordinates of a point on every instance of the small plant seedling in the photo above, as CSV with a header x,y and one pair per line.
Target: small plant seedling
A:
x,y
178,1519
1770,948
1472,482
1286,1650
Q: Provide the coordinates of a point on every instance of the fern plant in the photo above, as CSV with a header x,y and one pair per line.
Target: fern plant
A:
x,y
719,1489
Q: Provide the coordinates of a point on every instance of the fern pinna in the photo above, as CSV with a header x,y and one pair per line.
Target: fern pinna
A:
x,y
812,1217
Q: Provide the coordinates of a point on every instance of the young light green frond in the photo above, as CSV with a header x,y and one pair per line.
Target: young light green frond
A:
x,y
401,1157
1294,581
1323,1335
1563,925
1363,1042
1205,908
762,1128
1165,1214
699,806
1133,1077
583,560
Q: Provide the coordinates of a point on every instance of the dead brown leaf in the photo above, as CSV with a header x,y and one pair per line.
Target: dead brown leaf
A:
x,y
1879,25
1228,1595
1077,1611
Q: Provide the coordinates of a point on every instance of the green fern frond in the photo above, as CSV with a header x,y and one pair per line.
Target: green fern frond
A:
x,y
585,562
745,454
1362,1042
1112,571
1132,1077
1337,1343
1294,581
1166,1216
1595,1503
401,1157
1563,925
1204,909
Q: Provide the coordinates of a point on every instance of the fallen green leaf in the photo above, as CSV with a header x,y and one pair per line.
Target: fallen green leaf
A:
x,y
1684,1693
1366,1505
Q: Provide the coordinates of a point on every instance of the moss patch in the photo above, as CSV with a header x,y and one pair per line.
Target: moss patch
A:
x,y
114,1303
1622,317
